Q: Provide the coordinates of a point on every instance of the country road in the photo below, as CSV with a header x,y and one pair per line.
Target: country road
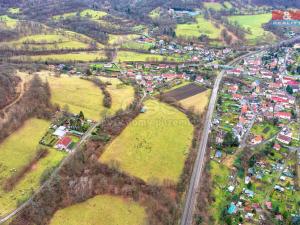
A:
x,y
191,196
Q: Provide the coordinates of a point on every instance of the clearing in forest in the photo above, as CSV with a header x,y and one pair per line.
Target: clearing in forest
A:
x,y
202,26
253,23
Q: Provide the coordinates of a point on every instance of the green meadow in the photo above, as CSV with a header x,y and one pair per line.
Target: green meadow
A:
x,y
101,210
154,146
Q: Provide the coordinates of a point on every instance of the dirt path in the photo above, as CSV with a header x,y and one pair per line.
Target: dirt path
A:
x,y
24,79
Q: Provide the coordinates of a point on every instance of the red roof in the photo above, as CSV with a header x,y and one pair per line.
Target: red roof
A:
x,y
283,114
284,138
65,141
293,82
278,99
277,146
244,108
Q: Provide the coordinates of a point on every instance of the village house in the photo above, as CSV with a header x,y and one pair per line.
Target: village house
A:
x,y
284,139
63,143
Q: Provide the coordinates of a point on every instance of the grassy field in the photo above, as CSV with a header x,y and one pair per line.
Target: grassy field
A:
x,y
9,22
154,146
78,94
228,5
101,210
137,45
93,14
254,24
220,174
127,56
155,13
68,57
47,42
213,5
14,10
120,39
17,151
20,147
122,95
198,102
202,26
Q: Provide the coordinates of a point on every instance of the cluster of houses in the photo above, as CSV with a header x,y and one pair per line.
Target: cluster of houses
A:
x,y
260,92
192,52
271,95
153,77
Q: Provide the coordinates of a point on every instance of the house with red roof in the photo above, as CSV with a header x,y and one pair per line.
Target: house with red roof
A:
x,y
257,139
277,146
63,143
283,115
284,139
233,89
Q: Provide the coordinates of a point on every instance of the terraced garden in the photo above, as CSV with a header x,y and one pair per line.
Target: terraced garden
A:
x,y
101,210
150,147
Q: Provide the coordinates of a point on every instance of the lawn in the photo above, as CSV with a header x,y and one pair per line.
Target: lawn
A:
x,y
47,42
202,26
265,129
154,146
254,24
68,57
78,94
198,102
127,56
17,151
101,210
122,95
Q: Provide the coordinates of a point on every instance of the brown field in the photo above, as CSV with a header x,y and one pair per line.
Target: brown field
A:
x,y
185,91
